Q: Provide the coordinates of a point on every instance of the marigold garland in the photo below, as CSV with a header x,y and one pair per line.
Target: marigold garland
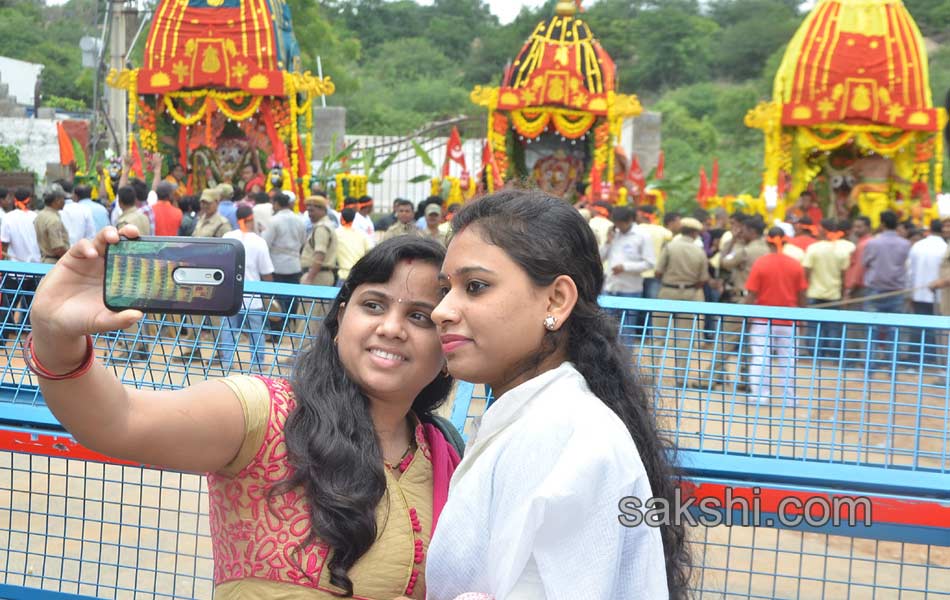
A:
x,y
241,114
571,124
356,186
180,118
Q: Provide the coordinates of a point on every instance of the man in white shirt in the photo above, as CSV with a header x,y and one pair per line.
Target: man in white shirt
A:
x,y
18,242
628,253
659,235
263,211
361,222
600,222
285,237
100,216
6,202
257,267
75,217
17,234
924,265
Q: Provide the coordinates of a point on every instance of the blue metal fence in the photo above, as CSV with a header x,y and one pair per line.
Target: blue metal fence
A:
x,y
861,412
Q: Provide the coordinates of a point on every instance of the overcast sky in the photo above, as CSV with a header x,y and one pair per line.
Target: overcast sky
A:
x,y
506,10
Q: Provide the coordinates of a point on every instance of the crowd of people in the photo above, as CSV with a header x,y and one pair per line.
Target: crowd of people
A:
x,y
700,257
809,261
317,246
510,303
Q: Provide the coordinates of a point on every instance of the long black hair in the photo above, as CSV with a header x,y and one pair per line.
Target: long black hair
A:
x,y
549,238
331,442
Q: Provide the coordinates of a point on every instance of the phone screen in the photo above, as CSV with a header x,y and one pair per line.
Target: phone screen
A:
x,y
175,275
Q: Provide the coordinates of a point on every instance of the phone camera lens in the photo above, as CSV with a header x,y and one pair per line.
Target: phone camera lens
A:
x,y
218,276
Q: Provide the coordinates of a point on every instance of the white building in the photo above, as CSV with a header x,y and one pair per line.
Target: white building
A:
x,y
17,83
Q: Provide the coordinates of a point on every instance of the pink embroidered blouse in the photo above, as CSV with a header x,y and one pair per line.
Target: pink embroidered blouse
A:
x,y
253,544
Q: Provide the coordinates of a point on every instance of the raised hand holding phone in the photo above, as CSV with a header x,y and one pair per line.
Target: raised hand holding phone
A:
x,y
69,303
175,275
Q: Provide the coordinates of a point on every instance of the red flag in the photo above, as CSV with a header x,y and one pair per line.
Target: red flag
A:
x,y
660,164
136,167
703,188
66,154
453,152
636,175
488,160
595,184
714,186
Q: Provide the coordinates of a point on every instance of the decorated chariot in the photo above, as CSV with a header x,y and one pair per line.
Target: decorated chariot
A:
x,y
851,118
556,118
222,88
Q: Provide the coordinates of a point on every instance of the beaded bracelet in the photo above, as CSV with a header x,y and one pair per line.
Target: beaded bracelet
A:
x,y
29,357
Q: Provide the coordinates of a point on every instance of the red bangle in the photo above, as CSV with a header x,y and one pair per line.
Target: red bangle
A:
x,y
29,357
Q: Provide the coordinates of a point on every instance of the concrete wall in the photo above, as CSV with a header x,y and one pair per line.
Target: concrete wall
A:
x,y
641,136
36,139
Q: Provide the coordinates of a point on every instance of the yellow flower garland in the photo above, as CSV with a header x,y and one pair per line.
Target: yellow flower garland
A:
x,y
571,124
181,119
241,115
358,185
294,145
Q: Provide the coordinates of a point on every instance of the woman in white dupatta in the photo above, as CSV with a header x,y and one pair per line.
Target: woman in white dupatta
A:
x,y
533,510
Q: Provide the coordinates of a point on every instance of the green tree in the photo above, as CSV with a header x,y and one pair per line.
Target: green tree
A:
x,y
932,16
940,84
31,32
496,46
673,48
399,59
317,35
10,158
455,23
755,29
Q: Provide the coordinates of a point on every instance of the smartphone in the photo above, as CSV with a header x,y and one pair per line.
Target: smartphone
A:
x,y
175,275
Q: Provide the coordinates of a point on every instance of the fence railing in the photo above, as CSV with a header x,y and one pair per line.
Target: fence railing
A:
x,y
869,419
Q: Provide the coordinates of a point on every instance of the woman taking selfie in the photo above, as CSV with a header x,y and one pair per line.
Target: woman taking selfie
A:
x,y
326,485
533,509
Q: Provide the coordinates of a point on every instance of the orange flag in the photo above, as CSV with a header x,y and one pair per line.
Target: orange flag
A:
x,y
136,167
703,193
66,154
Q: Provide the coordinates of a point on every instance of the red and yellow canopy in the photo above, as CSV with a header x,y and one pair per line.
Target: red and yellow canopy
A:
x,y
854,73
857,62
562,79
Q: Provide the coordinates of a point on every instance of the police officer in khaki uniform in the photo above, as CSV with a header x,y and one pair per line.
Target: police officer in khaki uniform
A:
x,y
211,223
131,214
682,269
51,235
737,257
318,257
405,221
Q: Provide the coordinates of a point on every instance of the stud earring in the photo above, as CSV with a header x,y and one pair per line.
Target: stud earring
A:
x,y
550,322
445,369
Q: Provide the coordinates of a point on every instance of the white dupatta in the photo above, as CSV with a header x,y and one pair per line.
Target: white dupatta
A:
x,y
533,507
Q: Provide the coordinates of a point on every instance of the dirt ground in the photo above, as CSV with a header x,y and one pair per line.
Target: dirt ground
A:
x,y
124,532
